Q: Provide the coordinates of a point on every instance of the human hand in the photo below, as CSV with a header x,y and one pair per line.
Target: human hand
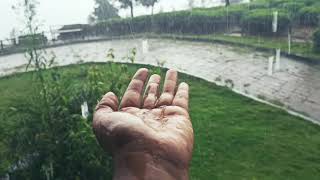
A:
x,y
149,137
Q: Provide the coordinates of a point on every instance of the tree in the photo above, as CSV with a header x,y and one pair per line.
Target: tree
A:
x,y
149,3
127,4
203,3
191,4
104,10
227,2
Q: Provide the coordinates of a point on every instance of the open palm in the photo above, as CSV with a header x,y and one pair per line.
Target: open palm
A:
x,y
146,128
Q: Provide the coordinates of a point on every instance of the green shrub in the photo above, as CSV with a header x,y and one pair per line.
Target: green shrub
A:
x,y
259,5
28,40
46,136
198,21
310,15
254,18
310,2
316,40
280,3
292,7
259,21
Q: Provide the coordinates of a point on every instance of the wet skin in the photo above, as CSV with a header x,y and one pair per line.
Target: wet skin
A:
x,y
150,136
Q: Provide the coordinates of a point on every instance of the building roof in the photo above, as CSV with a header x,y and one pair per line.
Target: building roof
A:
x,y
73,26
70,30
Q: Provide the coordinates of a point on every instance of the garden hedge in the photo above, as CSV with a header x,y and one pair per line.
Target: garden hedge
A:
x,y
253,18
193,22
259,21
310,15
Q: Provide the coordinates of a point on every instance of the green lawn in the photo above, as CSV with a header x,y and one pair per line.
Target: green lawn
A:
x,y
235,137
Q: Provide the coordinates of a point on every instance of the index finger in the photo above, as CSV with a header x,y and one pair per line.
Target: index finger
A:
x,y
132,96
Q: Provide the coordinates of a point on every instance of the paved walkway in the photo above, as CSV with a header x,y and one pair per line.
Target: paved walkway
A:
x,y
296,85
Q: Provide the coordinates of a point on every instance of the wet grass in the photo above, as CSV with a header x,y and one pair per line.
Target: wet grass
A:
x,y
235,137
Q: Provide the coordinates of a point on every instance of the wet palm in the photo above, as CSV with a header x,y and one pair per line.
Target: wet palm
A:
x,y
148,131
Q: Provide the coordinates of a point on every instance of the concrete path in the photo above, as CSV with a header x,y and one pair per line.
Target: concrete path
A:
x,y
296,85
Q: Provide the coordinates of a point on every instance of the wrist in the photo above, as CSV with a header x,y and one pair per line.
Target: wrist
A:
x,y
145,166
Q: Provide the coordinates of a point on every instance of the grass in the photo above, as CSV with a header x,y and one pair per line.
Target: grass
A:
x,y
235,137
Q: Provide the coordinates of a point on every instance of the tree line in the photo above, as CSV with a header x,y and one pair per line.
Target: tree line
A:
x,y
105,9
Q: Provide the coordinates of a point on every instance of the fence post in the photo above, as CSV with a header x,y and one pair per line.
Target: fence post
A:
x,y
278,63
1,45
14,42
270,65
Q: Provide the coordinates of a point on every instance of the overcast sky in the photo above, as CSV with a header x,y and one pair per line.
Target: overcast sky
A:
x,y
53,13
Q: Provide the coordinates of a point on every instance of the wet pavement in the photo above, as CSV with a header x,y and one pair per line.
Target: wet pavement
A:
x,y
296,85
